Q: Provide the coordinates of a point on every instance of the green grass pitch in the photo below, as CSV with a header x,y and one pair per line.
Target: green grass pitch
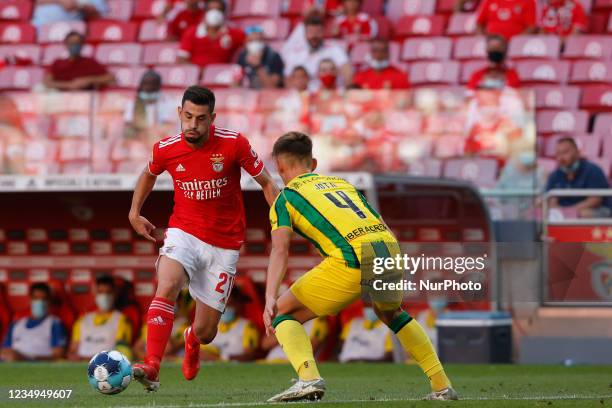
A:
x,y
354,385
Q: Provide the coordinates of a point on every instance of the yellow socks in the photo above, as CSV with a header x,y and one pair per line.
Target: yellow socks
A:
x,y
415,341
297,346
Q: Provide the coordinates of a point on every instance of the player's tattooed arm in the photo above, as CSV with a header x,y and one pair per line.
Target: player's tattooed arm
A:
x,y
277,267
268,186
143,188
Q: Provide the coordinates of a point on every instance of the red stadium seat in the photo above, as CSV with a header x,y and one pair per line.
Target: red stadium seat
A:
x,y
556,97
21,33
547,164
468,69
412,26
152,30
607,147
587,5
597,98
256,8
180,76
445,6
603,126
373,7
449,146
144,9
18,10
603,4
59,51
112,31
462,24
241,100
56,32
361,50
591,72
399,8
610,24
221,74
20,77
589,145
293,8
247,123
120,10
119,54
534,46
428,73
18,289
160,53
128,77
482,172
543,72
564,121
588,46
425,168
274,28
433,48
471,47
25,51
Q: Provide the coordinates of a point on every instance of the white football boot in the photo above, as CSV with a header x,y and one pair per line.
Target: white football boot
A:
x,y
447,394
302,390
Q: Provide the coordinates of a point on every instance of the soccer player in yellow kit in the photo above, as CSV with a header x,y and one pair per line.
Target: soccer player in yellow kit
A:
x,y
338,220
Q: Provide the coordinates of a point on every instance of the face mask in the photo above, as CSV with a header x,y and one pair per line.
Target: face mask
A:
x,y
104,302
148,96
369,314
496,56
437,304
38,309
379,65
214,18
229,315
490,83
527,159
328,81
572,168
255,47
75,50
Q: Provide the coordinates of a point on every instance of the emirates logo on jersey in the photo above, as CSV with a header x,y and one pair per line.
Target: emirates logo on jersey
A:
x,y
217,162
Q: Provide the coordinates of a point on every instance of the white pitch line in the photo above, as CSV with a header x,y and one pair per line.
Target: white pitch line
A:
x,y
361,401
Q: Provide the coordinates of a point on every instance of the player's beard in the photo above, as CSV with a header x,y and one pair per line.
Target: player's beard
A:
x,y
194,137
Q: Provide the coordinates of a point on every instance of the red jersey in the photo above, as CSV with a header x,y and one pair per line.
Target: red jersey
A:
x,y
479,79
207,195
388,78
184,20
203,50
359,28
68,69
507,17
561,20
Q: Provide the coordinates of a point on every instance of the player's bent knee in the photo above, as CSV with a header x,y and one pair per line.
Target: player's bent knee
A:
x,y
206,334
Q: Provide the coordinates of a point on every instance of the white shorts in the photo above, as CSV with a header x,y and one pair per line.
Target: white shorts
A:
x,y
211,269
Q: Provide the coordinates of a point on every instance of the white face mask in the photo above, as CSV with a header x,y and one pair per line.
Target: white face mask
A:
x,y
255,47
379,65
104,302
214,18
148,96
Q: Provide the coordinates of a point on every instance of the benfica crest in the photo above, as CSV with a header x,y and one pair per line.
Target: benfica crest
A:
x,y
601,279
217,162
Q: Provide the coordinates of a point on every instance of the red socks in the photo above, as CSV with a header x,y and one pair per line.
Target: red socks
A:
x,y
160,319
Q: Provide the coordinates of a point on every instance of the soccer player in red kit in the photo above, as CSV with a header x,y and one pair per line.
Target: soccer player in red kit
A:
x,y
205,231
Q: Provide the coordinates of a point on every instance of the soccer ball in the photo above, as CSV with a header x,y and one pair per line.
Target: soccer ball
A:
x,y
109,372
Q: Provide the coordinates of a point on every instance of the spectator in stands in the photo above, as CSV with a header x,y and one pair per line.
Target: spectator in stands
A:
x,y
318,330
51,11
263,67
237,338
506,17
353,25
14,138
191,15
466,6
314,50
40,336
365,339
327,76
381,74
106,328
563,18
522,172
575,172
298,79
496,75
212,41
76,72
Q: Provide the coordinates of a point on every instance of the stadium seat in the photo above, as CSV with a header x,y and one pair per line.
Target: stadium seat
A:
x,y
588,46
160,53
589,145
399,8
556,97
445,6
534,46
127,77
239,100
563,121
603,126
119,54
468,69
144,9
603,5
433,48
425,168
482,172
470,47
293,8
361,50
17,10
20,33
56,32
119,10
112,31
607,148
59,51
373,7
547,164
597,98
462,24
247,123
20,77
447,146
413,26
221,74
610,23
584,72
274,28
543,72
256,8
180,76
26,52
429,73
152,30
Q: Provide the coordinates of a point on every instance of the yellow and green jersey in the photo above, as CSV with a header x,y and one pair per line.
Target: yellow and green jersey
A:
x,y
331,214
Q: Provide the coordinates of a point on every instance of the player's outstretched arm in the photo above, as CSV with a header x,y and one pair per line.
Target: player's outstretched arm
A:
x,y
277,267
143,188
268,186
